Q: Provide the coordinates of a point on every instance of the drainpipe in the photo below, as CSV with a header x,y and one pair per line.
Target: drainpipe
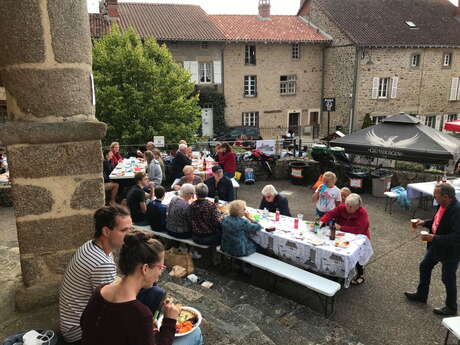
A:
x,y
323,63
353,97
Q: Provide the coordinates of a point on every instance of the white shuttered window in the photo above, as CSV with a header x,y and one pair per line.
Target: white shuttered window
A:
x,y
455,90
217,72
394,87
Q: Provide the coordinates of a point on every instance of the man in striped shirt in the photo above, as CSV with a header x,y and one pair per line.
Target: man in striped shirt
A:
x,y
92,266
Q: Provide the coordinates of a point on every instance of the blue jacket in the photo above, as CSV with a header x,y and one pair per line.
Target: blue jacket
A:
x,y
156,215
235,239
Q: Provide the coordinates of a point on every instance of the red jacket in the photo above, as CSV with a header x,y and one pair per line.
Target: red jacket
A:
x,y
356,223
117,158
227,161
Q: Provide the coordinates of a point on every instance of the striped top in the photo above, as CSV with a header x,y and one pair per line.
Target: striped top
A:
x,y
89,268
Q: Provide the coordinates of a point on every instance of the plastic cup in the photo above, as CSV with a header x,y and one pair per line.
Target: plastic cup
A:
x,y
296,223
257,217
422,233
413,223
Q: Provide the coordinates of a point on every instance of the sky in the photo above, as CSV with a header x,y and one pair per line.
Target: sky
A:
x,y
221,6
225,6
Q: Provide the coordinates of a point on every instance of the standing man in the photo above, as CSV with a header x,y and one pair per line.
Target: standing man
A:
x,y
92,265
220,185
443,245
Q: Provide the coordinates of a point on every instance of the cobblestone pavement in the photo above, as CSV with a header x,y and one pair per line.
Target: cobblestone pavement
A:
x,y
376,312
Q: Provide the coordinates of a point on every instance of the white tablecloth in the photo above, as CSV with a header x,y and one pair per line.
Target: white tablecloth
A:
x,y
417,190
304,248
127,169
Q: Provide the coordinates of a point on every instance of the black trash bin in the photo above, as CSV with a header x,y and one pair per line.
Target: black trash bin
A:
x,y
298,172
381,182
359,181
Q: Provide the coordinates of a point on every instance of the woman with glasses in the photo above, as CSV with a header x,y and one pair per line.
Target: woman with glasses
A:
x,y
114,316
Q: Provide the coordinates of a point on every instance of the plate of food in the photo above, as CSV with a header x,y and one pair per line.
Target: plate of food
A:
x,y
342,244
188,321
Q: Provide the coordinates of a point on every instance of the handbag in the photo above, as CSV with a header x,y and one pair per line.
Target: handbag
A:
x,y
179,257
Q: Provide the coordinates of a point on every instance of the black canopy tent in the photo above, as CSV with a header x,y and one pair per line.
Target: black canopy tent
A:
x,y
402,137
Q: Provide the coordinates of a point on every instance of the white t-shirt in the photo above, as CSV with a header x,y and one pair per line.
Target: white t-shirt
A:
x,y
327,199
89,267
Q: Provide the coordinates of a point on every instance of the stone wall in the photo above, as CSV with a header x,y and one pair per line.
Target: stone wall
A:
x,y
52,137
272,61
339,64
422,90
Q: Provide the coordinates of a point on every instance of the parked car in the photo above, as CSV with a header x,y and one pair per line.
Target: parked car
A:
x,y
233,133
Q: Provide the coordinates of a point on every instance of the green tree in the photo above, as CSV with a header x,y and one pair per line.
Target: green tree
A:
x,y
141,92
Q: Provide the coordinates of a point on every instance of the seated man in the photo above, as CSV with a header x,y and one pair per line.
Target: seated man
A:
x,y
220,185
206,218
136,199
156,211
180,161
273,201
189,177
92,265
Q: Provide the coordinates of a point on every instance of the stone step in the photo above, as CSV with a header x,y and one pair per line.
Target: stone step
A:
x,y
10,280
279,319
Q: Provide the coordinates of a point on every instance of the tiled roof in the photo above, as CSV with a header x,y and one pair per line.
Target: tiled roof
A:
x,y
99,26
383,22
169,22
277,28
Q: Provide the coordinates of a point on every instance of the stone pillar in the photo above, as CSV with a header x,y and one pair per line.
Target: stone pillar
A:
x,y
52,136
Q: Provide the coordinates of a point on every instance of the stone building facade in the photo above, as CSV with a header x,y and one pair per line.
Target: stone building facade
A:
x,y
378,41
202,59
422,90
270,108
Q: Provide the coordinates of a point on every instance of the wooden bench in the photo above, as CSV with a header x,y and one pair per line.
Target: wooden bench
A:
x,y
187,241
453,326
322,286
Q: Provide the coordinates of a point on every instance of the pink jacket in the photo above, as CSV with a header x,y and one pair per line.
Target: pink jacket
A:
x,y
356,223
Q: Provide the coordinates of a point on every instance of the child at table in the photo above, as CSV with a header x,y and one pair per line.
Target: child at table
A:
x,y
327,196
344,193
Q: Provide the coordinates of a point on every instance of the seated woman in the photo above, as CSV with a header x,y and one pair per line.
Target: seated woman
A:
x,y
116,156
154,168
110,187
178,220
157,156
236,229
189,177
206,218
114,316
351,217
272,201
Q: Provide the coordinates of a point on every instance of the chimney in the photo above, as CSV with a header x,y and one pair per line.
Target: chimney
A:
x,y
109,8
264,9
457,14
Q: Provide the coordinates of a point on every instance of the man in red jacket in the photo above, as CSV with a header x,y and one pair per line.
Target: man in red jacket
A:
x,y
350,217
